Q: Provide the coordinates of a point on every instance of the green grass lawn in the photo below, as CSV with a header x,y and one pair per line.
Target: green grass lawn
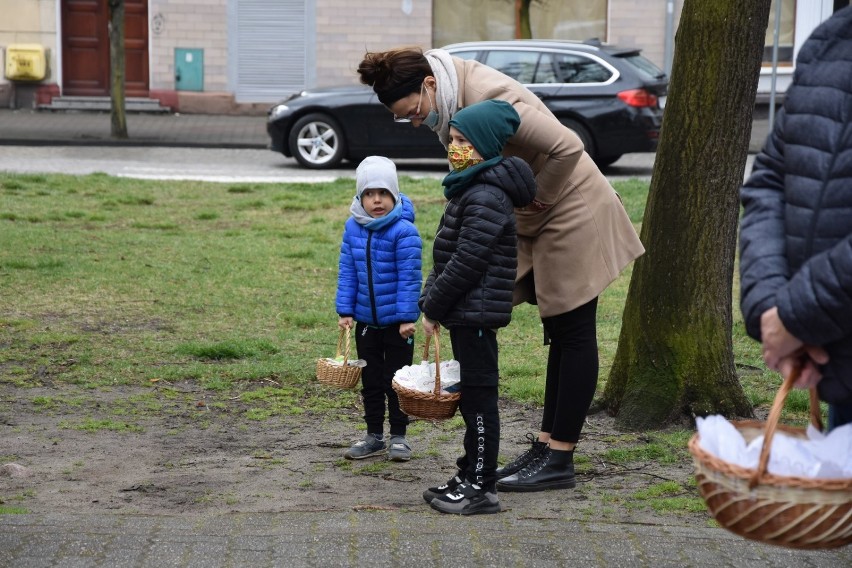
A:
x,y
110,281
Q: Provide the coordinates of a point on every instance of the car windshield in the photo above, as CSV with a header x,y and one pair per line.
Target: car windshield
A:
x,y
644,66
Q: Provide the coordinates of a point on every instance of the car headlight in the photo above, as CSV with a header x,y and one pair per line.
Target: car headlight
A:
x,y
278,111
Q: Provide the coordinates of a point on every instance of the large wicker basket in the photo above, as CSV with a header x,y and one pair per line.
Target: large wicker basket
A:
x,y
334,374
435,405
794,512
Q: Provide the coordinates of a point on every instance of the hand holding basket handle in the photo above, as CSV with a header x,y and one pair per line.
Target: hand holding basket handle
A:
x,y
775,415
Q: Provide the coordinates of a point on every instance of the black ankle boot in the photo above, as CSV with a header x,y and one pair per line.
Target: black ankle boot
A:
x,y
553,470
536,449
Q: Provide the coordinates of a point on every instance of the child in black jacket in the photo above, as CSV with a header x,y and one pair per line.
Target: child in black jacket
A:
x,y
469,290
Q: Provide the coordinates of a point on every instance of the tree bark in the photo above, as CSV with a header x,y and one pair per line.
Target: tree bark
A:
x,y
675,352
523,29
118,114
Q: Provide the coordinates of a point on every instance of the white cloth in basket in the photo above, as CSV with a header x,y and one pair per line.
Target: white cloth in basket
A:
x,y
338,362
819,456
422,377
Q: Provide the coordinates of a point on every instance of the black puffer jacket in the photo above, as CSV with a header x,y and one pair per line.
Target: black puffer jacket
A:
x,y
475,250
796,231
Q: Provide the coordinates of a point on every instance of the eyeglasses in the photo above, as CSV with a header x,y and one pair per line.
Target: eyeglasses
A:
x,y
406,118
416,113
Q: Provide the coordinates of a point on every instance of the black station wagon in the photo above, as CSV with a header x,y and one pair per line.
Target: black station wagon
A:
x,y
612,97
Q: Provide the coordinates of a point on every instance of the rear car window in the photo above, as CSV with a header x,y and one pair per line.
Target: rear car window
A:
x,y
644,66
574,68
519,65
546,70
465,54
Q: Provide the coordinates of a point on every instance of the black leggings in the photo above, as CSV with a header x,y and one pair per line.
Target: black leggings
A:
x,y
572,371
385,352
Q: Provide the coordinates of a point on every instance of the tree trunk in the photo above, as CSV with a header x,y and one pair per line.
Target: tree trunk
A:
x,y
523,29
118,115
675,352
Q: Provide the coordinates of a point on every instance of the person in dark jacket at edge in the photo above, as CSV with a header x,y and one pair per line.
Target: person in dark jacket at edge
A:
x,y
796,229
469,290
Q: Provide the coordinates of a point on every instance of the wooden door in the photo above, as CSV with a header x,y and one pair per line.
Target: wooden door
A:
x,y
85,48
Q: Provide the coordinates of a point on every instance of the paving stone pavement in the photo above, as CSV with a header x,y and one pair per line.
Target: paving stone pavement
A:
x,y
377,539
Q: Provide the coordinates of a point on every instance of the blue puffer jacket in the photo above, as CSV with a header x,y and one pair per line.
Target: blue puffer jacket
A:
x,y
796,231
380,271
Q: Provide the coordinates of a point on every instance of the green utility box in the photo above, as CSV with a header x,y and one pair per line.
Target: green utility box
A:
x,y
189,69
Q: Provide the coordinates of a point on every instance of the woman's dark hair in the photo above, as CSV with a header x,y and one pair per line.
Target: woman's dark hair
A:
x,y
394,74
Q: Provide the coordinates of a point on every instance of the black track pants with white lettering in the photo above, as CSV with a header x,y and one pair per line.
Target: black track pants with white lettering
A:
x,y
476,351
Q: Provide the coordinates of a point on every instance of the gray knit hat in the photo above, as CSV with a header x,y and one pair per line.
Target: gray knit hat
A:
x,y
377,172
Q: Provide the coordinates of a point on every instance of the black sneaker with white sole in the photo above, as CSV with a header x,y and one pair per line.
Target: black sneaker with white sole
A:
x,y
440,490
467,499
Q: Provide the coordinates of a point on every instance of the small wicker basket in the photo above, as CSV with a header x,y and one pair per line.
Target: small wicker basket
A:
x,y
794,512
434,405
334,374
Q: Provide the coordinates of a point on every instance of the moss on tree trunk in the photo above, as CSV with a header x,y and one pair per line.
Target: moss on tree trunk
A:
x,y
675,352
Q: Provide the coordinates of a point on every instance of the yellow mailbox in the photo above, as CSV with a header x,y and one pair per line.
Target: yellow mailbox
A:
x,y
25,62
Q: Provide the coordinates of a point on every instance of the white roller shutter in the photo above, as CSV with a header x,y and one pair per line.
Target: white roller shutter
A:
x,y
268,48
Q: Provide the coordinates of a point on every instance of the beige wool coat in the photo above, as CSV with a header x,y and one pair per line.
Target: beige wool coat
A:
x,y
581,242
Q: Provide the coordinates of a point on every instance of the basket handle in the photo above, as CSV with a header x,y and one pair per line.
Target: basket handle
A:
x,y
437,389
344,333
772,421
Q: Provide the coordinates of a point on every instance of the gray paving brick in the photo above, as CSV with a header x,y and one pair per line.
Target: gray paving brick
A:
x,y
394,539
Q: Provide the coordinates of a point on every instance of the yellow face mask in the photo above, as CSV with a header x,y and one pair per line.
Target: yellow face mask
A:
x,y
461,157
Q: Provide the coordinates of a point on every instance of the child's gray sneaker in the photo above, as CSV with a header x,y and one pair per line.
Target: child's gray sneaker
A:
x,y
371,445
399,450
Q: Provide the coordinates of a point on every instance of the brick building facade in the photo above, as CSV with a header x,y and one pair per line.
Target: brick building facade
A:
x,y
249,53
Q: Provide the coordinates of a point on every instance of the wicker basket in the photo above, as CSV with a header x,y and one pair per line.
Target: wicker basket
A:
x,y
794,512
433,405
343,376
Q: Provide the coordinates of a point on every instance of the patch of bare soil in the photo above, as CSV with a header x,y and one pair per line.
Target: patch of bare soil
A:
x,y
192,458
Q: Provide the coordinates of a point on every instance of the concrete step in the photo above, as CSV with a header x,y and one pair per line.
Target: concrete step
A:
x,y
131,104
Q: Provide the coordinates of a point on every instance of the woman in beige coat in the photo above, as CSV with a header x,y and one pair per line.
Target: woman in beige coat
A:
x,y
573,240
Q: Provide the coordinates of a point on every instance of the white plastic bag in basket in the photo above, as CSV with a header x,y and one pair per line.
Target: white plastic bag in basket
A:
x,y
422,377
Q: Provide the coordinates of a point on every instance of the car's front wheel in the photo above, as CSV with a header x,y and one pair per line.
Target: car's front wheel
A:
x,y
604,161
583,134
316,141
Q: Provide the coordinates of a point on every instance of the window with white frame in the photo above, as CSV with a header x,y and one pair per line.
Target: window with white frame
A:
x,y
786,32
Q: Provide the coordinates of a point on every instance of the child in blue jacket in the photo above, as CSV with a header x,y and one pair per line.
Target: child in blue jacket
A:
x,y
378,287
